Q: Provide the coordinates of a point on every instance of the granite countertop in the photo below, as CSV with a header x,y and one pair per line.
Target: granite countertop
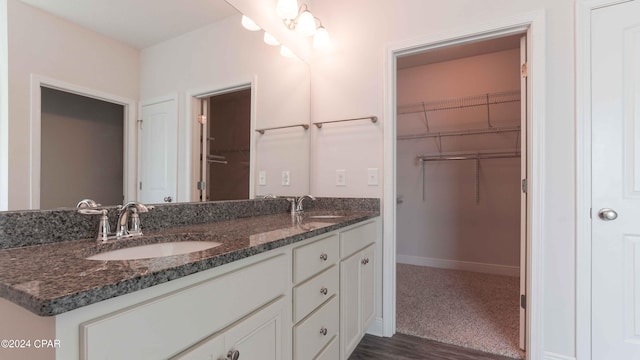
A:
x,y
51,279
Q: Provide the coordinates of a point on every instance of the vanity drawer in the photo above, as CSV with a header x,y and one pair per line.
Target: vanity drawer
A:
x,y
312,258
357,238
331,352
310,294
315,332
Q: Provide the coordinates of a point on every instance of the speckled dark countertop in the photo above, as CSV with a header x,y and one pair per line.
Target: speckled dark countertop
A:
x,y
50,279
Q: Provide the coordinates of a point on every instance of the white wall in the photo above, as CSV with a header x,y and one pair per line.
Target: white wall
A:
x,y
350,81
42,44
4,109
448,226
225,54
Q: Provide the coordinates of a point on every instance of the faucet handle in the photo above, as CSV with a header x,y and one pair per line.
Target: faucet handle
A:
x,y
104,229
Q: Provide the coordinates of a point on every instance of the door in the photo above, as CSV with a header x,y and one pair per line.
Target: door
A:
x,y
615,107
350,316
158,153
367,286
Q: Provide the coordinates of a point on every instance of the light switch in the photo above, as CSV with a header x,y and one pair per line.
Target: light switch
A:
x,y
262,178
286,178
372,176
341,177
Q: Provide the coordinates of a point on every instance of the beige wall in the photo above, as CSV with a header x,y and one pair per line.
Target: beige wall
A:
x,y
41,44
26,326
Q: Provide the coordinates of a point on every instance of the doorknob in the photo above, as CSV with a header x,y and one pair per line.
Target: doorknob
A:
x,y
168,199
607,214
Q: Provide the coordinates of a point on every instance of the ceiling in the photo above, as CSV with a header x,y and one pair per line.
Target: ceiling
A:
x,y
135,22
459,51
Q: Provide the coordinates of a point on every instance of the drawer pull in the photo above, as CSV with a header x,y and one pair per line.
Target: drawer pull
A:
x,y
365,261
233,355
324,291
323,331
324,257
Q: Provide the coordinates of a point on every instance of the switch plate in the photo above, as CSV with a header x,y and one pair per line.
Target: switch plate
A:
x,y
286,178
341,177
262,178
372,176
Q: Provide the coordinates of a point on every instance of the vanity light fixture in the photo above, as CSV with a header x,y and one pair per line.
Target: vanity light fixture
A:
x,y
303,22
249,24
270,39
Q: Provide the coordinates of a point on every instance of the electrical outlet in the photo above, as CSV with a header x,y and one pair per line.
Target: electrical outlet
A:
x,y
372,176
341,177
286,178
262,178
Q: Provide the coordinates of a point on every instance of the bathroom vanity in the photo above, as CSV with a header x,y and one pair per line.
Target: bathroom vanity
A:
x,y
279,286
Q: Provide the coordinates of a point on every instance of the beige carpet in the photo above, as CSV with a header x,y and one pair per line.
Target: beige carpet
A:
x,y
473,310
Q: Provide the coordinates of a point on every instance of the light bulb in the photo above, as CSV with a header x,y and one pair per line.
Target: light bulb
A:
x,y
284,51
306,24
249,24
270,40
287,9
321,39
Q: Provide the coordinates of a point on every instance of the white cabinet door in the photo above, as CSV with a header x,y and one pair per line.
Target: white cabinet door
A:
x,y
259,336
158,152
367,286
349,304
615,56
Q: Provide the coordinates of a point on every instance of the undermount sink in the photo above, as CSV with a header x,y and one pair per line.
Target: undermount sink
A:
x,y
326,216
155,250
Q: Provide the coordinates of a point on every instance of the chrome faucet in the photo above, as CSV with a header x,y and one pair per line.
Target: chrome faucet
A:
x,y
298,203
130,209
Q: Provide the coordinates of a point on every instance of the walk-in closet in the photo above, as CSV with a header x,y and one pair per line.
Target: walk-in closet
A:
x,y
460,202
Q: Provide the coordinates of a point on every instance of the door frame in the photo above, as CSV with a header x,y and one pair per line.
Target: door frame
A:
x,y
583,172
191,156
35,126
533,24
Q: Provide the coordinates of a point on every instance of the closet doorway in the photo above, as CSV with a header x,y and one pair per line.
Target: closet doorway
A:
x,y
461,162
225,155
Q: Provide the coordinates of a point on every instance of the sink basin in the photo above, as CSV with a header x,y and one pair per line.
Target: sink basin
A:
x,y
326,216
155,250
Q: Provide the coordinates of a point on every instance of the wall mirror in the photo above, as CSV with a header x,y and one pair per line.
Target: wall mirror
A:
x,y
193,93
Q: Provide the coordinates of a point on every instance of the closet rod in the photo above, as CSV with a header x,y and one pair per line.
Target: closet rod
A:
x,y
460,133
469,156
261,131
373,119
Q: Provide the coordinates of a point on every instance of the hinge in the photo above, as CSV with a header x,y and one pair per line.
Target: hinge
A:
x,y
140,123
523,301
140,185
525,71
202,185
590,213
524,185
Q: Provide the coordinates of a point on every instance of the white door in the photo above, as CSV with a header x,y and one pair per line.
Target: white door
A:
x,y
157,162
615,106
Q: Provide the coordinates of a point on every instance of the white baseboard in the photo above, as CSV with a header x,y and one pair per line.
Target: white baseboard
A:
x,y
553,356
459,265
376,327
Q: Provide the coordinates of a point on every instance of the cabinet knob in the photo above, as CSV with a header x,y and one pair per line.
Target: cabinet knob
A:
x,y
233,355
323,331
324,291
324,257
365,261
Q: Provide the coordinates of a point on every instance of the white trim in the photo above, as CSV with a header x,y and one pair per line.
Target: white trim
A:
x,y
190,156
583,172
130,154
536,25
460,265
376,327
4,109
553,356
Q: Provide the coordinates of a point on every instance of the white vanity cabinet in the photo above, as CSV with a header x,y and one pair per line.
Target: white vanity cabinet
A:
x,y
316,305
357,284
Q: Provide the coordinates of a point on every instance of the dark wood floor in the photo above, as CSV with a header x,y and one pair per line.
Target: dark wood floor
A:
x,y
406,347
